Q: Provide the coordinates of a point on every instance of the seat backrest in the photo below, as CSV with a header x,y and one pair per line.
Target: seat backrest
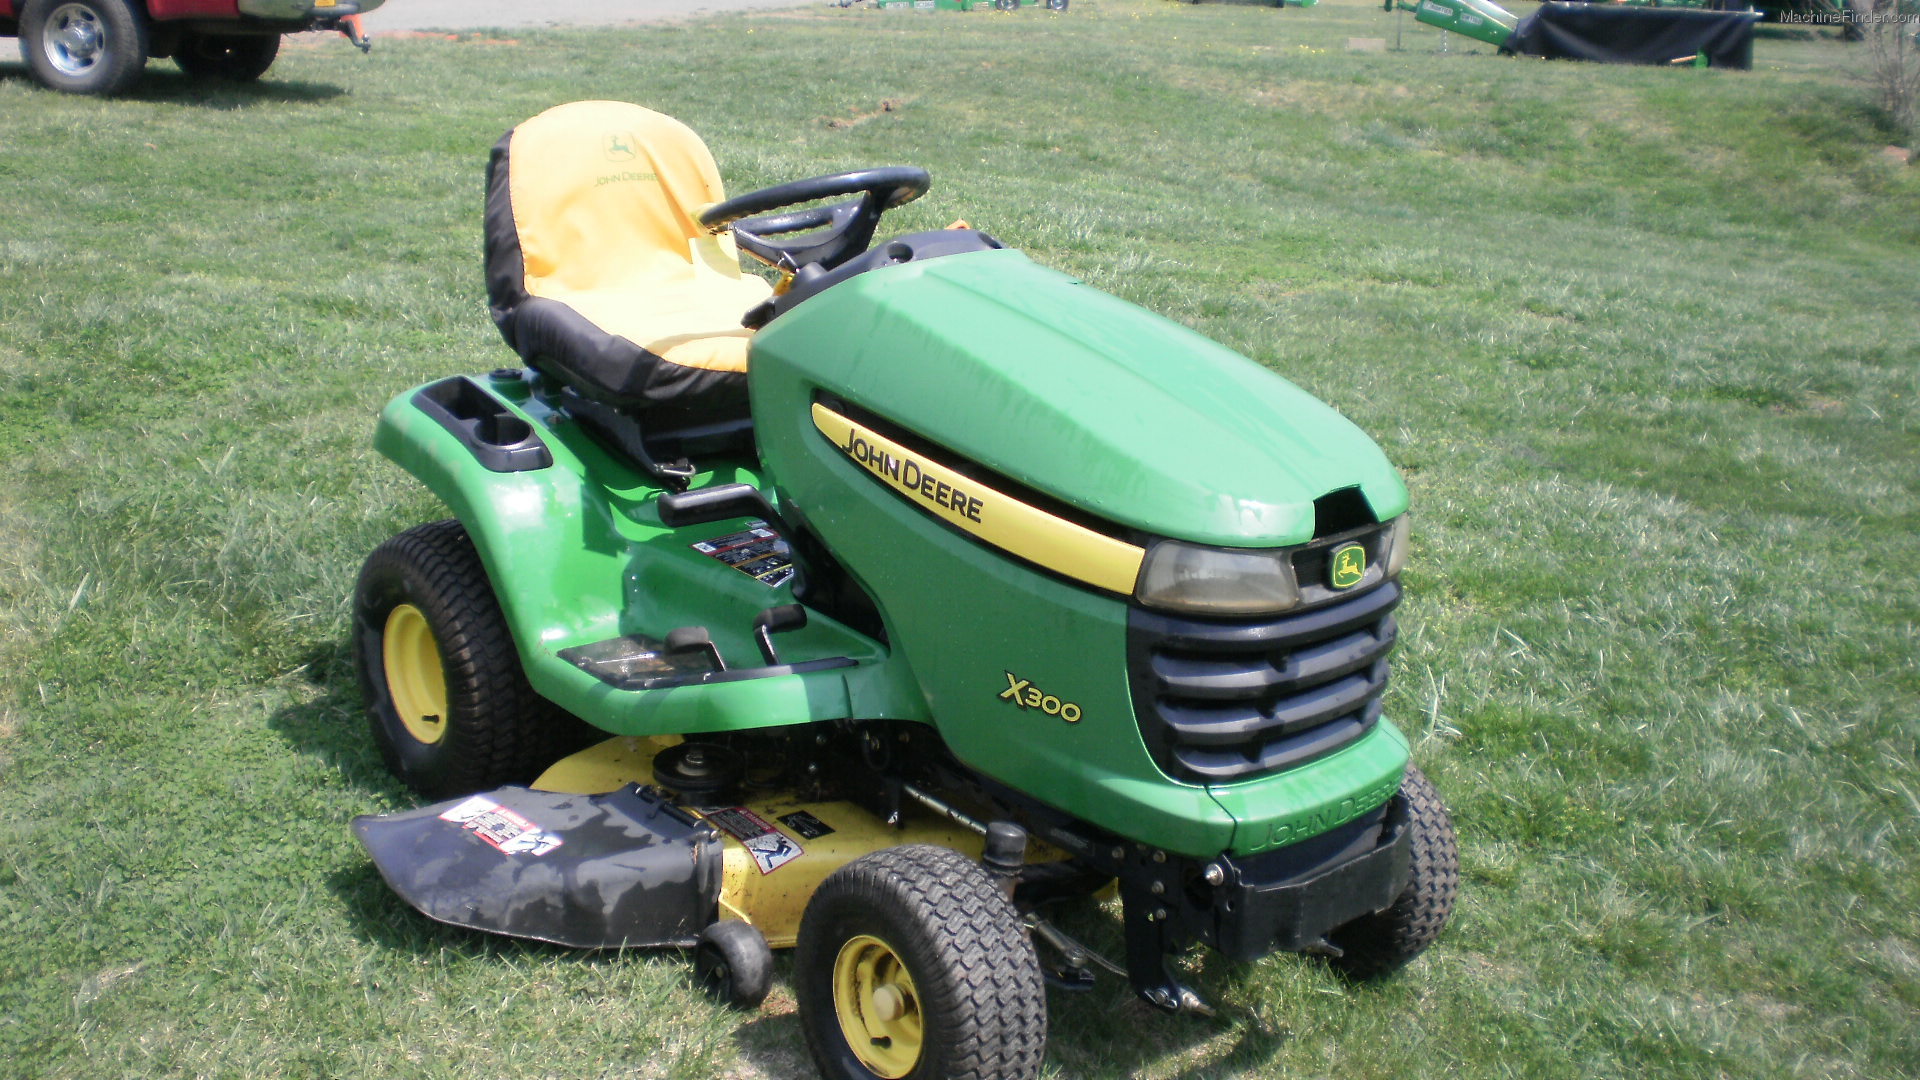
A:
x,y
597,195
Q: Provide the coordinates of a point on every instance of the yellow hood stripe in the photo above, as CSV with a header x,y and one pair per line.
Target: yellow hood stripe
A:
x,y
984,513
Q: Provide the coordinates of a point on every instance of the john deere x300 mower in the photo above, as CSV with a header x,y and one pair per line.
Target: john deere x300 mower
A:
x,y
907,597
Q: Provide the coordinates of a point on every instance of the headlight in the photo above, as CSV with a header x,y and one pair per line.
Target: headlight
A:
x,y
1216,581
1396,556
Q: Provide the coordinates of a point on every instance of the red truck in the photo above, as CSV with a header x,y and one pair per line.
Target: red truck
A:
x,y
100,46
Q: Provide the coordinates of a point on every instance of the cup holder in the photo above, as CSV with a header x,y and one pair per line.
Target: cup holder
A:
x,y
502,429
501,440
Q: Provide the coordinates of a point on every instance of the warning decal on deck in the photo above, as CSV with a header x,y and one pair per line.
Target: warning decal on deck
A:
x,y
505,829
808,826
759,553
771,849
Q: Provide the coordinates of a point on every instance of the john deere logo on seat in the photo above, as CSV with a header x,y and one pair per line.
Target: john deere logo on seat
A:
x,y
618,146
1349,566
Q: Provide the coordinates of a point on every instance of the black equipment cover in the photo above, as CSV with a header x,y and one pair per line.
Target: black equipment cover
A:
x,y
1636,35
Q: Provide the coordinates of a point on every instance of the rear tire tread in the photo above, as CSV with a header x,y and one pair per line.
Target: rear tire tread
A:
x,y
509,732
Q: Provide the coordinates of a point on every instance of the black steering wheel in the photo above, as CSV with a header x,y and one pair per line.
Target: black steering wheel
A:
x,y
849,224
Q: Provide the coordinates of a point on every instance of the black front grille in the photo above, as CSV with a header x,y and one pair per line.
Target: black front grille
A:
x,y
1220,700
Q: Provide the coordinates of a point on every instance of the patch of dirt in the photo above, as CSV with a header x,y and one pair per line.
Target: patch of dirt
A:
x,y
887,105
1496,972
103,980
1813,404
1769,1009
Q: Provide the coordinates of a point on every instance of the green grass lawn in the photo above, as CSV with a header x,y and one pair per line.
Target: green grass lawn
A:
x,y
1643,341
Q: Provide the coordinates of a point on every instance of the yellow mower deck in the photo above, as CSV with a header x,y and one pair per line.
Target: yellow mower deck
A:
x,y
794,844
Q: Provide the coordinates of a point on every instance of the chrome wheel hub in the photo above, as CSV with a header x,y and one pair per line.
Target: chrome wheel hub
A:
x,y
75,38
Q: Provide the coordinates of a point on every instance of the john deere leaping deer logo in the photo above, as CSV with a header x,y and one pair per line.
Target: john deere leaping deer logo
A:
x,y
618,146
1349,566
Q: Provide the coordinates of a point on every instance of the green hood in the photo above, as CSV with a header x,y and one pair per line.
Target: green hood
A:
x,y
1083,396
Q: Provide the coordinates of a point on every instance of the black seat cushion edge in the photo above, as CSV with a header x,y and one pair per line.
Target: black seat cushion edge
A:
x,y
506,266
561,342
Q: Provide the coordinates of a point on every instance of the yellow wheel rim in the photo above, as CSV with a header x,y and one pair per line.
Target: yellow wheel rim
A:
x,y
415,678
878,1007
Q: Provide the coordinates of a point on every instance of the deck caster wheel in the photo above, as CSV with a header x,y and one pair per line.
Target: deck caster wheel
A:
x,y
912,963
1386,941
451,709
1056,5
734,964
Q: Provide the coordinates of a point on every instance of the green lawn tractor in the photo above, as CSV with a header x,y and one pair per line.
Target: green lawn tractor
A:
x,y
984,592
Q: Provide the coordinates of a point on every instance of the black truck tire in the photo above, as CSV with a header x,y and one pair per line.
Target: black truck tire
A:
x,y
1386,941
84,46
450,706
912,963
234,57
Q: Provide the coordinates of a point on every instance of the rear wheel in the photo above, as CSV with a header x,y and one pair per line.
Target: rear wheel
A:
x,y
237,57
912,963
450,706
83,46
1386,941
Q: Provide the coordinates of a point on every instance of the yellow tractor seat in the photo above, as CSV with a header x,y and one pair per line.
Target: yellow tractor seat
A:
x,y
597,273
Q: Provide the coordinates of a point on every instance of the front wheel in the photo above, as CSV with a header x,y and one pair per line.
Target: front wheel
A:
x,y
1386,941
83,46
450,705
235,57
912,963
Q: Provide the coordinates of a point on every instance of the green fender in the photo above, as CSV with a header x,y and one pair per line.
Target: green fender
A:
x,y
576,554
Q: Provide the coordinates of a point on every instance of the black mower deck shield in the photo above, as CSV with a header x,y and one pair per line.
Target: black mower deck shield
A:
x,y
1636,35
590,871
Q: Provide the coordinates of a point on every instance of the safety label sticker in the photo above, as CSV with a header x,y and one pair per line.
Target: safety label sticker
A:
x,y
771,849
758,552
505,829
808,826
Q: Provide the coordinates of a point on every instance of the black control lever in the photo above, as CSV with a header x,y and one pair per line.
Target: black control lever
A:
x,y
717,503
776,620
695,639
